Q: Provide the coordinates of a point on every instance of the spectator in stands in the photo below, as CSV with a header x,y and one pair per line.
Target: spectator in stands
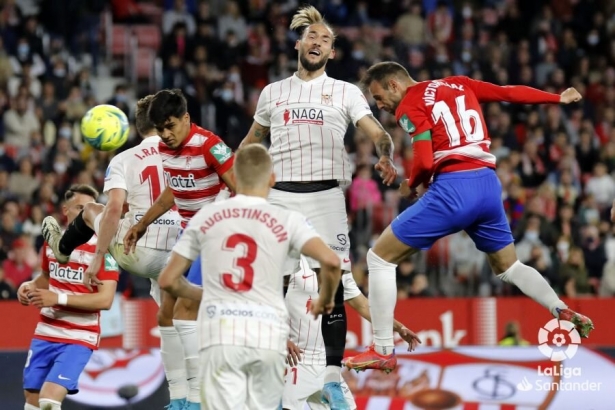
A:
x,y
19,124
232,20
179,14
512,335
601,186
23,182
16,269
574,275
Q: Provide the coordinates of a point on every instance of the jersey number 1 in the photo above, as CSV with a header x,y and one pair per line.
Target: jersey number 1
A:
x,y
244,262
150,174
441,110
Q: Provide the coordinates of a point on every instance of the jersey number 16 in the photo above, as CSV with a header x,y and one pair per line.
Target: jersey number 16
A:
x,y
475,133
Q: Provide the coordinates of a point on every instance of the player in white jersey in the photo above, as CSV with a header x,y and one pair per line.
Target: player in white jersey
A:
x,y
306,116
243,320
304,378
135,177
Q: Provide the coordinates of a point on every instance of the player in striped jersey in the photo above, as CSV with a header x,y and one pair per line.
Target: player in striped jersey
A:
x,y
244,322
134,176
69,327
451,145
307,116
305,372
196,165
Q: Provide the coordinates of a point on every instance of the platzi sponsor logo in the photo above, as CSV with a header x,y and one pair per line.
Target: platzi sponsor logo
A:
x,y
558,340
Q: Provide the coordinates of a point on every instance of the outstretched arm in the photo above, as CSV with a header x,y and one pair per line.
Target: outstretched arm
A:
x,y
520,94
384,147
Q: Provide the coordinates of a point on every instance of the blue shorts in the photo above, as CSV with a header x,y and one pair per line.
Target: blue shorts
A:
x,y
59,363
470,201
194,273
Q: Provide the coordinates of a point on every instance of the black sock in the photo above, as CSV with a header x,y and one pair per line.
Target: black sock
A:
x,y
75,235
334,329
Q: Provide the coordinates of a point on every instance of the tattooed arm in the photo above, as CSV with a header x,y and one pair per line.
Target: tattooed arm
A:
x,y
384,147
256,135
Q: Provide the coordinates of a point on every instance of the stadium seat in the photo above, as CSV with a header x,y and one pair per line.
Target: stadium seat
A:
x,y
147,36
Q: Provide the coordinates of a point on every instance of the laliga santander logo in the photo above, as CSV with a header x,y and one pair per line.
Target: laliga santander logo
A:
x,y
561,334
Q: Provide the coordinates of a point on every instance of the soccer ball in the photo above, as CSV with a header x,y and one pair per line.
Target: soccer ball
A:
x,y
105,127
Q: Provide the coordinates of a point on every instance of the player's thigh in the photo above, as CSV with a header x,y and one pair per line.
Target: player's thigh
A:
x,y
224,383
265,379
39,361
429,219
68,366
301,382
490,230
326,211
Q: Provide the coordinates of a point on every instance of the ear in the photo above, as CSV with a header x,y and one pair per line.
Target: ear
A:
x,y
187,117
332,54
64,210
393,85
297,44
272,180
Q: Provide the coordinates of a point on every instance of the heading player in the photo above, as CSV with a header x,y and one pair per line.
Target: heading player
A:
x,y
196,163
450,142
244,321
69,328
307,116
305,370
134,176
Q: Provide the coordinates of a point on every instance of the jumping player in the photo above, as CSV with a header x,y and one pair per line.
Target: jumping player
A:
x,y
69,328
244,321
307,116
134,176
450,143
304,378
196,163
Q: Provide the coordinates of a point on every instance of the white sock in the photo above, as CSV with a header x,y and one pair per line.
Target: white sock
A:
x,y
333,374
172,354
48,404
382,300
532,284
30,407
190,342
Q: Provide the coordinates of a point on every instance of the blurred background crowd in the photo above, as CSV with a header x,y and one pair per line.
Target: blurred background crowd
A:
x,y
556,164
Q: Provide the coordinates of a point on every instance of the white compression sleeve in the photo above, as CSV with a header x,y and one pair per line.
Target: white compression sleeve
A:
x,y
382,300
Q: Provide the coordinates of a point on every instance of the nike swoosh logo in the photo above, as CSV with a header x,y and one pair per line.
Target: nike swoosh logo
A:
x,y
62,377
309,276
280,103
331,322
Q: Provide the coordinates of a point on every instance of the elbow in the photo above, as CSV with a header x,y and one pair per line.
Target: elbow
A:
x,y
107,303
331,262
164,283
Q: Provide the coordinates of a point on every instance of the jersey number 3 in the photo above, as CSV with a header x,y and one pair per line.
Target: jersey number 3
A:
x,y
244,263
475,133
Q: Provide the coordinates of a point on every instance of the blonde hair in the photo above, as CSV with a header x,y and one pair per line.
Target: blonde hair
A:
x,y
253,166
306,16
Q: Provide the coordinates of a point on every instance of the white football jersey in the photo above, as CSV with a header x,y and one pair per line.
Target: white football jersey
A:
x,y
305,331
138,171
308,121
244,243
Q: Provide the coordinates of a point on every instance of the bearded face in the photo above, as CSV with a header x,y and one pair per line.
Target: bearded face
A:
x,y
315,47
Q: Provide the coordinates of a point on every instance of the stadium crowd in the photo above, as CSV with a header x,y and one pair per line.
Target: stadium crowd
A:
x,y
555,163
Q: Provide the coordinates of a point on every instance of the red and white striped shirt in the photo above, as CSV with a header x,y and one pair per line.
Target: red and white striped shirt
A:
x,y
194,169
308,121
305,331
64,324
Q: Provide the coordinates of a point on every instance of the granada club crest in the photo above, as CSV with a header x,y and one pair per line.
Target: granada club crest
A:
x,y
110,369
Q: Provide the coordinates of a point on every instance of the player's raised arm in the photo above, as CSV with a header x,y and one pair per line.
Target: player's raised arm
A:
x,y
520,94
165,201
384,147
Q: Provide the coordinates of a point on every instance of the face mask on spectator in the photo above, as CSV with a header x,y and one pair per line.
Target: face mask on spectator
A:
x,y
59,72
121,98
60,167
593,39
467,12
531,236
466,56
234,77
65,132
226,95
23,50
563,247
358,54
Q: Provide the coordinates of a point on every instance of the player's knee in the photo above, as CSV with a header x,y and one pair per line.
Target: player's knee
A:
x,y
90,211
31,397
165,317
185,309
503,259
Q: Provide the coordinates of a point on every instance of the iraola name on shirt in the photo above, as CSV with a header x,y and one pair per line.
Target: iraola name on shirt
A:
x,y
246,213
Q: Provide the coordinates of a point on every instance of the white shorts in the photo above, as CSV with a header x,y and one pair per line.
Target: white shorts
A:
x,y
145,262
303,384
235,377
326,211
